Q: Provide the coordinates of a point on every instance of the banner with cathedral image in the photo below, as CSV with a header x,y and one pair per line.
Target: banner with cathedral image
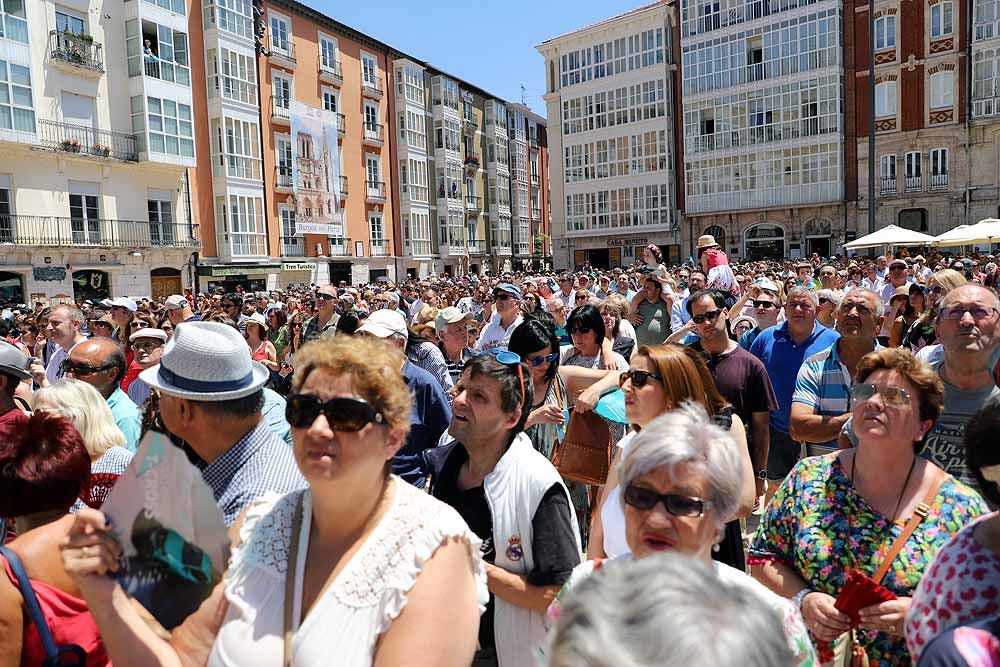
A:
x,y
315,171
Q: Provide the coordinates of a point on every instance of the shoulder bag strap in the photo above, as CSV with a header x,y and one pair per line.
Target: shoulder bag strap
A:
x,y
290,574
31,601
919,512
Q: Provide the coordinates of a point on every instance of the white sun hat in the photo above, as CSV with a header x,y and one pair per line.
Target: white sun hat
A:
x,y
206,361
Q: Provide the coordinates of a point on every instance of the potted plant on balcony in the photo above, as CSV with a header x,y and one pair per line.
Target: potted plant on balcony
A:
x,y
89,39
100,150
71,145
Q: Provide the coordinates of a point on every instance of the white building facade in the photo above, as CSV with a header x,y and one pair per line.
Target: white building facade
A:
x,y
612,157
96,136
982,198
762,89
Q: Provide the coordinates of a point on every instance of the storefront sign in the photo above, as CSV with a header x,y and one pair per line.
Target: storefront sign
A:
x,y
627,242
49,273
298,266
227,271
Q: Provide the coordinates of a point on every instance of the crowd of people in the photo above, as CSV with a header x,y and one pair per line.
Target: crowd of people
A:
x,y
786,463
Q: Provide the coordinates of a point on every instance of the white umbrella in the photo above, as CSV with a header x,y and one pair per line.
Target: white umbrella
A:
x,y
888,236
984,231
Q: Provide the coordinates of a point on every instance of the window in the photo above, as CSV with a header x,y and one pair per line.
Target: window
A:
x,y
14,24
330,100
887,172
235,148
291,244
942,90
243,221
160,214
85,213
280,34
885,32
369,71
170,129
282,91
913,170
232,75
885,99
72,23
165,57
411,82
939,167
230,15
283,157
328,52
375,226
176,6
941,19
16,105
373,171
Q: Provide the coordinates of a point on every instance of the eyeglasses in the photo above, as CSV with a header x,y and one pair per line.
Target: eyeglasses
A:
x,y
710,315
326,297
979,313
677,505
68,366
546,359
579,330
936,290
823,300
503,296
764,305
344,414
638,378
152,345
508,358
894,396
139,325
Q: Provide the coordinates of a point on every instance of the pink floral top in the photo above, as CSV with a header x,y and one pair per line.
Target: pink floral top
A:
x,y
962,583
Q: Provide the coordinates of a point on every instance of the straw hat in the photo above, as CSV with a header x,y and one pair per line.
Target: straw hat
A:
x,y
707,241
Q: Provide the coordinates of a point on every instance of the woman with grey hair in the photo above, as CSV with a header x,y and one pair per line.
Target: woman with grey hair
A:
x,y
681,479
660,612
828,301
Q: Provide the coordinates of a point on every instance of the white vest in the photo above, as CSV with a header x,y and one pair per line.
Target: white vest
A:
x,y
514,490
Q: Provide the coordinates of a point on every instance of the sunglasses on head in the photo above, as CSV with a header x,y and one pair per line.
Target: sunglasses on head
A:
x,y
344,414
546,359
508,358
675,504
638,378
710,315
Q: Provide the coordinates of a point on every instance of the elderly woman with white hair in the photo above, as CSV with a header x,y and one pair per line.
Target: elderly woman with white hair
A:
x,y
90,414
681,479
660,612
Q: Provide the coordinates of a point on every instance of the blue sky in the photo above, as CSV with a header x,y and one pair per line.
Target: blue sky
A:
x,y
490,44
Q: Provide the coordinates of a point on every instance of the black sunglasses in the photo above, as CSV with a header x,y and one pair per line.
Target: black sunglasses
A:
x,y
548,358
677,505
763,304
326,297
343,414
710,315
638,378
823,300
580,330
68,366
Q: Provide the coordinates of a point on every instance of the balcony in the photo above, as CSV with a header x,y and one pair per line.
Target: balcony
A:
x,y
470,126
521,249
329,72
476,246
473,204
282,55
340,247
280,113
887,186
472,162
293,246
341,125
375,192
755,72
83,141
534,180
76,54
913,184
420,248
378,248
371,88
533,142
939,182
35,230
343,187
373,135
283,179
536,213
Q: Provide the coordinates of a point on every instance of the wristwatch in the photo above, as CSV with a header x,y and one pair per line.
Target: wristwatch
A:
x,y
800,596
762,474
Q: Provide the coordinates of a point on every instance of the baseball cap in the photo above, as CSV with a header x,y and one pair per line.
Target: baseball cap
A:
x,y
766,284
450,315
509,289
13,361
148,333
384,323
897,262
175,302
122,302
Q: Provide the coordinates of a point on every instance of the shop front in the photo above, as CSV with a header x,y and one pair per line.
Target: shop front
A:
x,y
90,284
607,253
11,288
297,274
252,278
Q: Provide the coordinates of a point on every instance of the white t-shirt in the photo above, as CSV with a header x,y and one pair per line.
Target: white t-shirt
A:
x,y
612,514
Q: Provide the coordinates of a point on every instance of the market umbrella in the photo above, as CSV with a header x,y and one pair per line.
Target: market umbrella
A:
x,y
888,236
984,231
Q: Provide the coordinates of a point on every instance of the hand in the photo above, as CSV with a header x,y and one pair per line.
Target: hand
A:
x,y
886,617
89,551
587,400
635,318
37,371
547,414
822,618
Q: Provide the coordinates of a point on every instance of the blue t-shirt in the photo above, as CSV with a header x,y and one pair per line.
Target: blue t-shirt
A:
x,y
429,418
783,357
127,417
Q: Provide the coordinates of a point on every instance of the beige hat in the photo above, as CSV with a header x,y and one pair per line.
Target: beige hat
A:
x,y
902,290
707,241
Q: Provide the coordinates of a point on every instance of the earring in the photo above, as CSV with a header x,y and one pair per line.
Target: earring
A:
x,y
716,548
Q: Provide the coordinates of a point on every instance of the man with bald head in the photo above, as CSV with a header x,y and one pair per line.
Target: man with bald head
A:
x,y
324,323
100,362
966,322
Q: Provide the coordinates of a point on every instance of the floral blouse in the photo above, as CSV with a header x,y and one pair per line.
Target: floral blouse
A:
x,y
805,527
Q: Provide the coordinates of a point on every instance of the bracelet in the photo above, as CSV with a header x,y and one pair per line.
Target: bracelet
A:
x,y
800,596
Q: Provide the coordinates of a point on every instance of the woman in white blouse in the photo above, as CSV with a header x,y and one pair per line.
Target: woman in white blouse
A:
x,y
383,573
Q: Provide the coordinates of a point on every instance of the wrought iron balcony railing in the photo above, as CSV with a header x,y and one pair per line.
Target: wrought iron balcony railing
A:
x,y
87,141
77,50
98,232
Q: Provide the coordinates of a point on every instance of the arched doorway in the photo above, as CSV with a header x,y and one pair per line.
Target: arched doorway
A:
x,y
818,234
92,285
11,287
764,241
164,282
719,233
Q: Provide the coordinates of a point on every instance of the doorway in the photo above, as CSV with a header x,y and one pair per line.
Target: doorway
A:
x,y
164,282
11,288
819,245
764,241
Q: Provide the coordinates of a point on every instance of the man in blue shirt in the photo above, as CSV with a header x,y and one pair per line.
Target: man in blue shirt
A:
x,y
100,362
782,349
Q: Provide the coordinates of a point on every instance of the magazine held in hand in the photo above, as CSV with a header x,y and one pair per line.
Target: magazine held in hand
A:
x,y
174,539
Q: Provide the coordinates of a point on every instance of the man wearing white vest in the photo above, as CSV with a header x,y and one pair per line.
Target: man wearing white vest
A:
x,y
513,499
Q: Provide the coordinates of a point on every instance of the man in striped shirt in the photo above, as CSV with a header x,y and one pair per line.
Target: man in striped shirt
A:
x,y
821,401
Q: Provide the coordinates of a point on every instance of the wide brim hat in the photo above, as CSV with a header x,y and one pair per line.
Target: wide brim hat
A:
x,y
902,290
259,320
707,241
206,361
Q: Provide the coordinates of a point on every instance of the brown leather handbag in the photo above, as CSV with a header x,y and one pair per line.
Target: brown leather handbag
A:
x,y
584,455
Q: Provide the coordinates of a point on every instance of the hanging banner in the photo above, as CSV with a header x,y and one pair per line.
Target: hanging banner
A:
x,y
315,171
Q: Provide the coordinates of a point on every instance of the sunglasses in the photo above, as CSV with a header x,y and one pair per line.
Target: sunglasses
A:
x,y
823,300
68,366
547,359
764,305
140,325
580,330
503,296
936,290
710,315
147,346
894,396
508,358
344,414
677,505
958,313
638,378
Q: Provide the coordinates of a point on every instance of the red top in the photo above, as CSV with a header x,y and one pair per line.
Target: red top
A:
x,y
69,620
13,417
260,354
715,257
131,373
